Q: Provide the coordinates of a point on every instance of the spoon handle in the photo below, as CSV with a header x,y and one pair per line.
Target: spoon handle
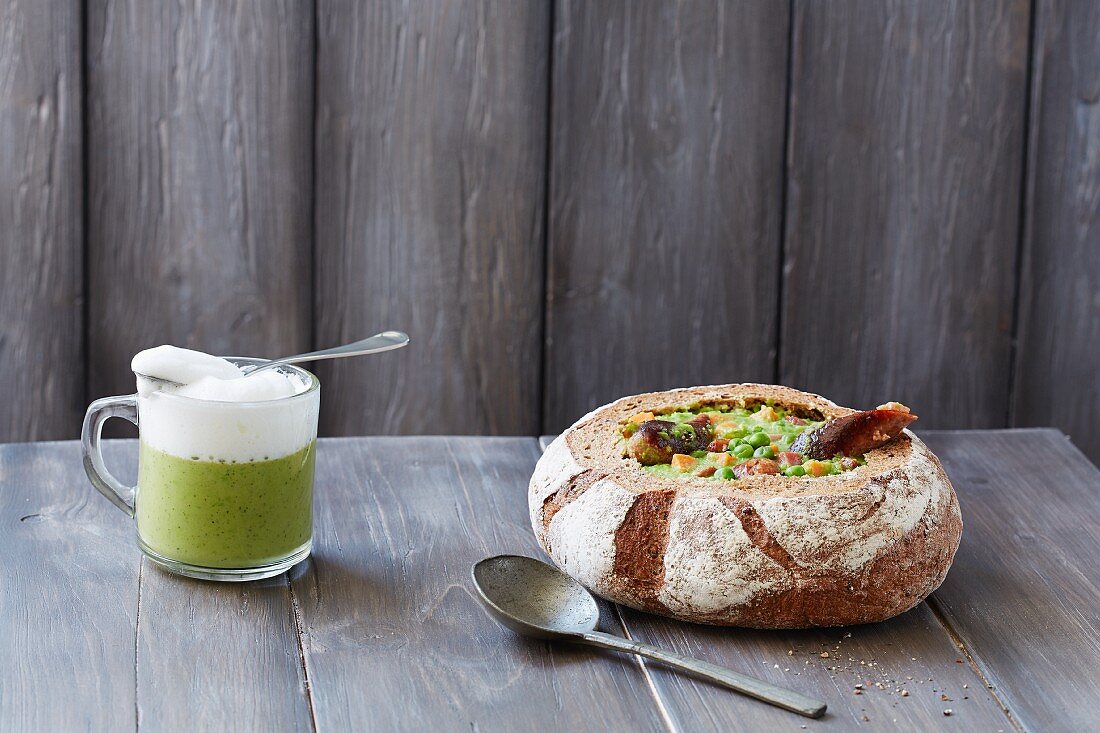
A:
x,y
769,693
385,341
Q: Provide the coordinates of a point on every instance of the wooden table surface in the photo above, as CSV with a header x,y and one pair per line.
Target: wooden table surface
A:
x,y
380,630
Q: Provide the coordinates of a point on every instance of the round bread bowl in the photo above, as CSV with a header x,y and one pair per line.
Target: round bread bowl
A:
x,y
762,551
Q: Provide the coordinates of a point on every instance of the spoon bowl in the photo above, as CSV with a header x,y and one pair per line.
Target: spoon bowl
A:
x,y
536,599
533,598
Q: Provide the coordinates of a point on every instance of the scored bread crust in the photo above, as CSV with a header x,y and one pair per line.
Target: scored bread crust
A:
x,y
761,551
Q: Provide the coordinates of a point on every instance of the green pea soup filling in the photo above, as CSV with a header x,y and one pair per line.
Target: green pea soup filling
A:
x,y
763,430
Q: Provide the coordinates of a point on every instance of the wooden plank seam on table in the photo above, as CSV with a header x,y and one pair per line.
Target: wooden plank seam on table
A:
x,y
1024,597
386,612
296,611
208,653
938,611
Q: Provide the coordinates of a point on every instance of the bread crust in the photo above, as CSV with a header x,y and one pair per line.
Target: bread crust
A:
x,y
762,551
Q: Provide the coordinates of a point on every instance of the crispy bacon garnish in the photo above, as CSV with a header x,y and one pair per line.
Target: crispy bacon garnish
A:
x,y
853,435
656,441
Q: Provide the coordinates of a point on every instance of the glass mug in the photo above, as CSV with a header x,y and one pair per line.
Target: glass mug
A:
x,y
224,489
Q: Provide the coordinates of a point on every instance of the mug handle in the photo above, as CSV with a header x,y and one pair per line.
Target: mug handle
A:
x,y
98,413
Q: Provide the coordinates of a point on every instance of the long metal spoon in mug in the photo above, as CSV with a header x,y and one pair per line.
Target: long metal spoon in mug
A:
x,y
536,599
376,344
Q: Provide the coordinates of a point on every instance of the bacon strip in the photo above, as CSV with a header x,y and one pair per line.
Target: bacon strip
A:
x,y
853,435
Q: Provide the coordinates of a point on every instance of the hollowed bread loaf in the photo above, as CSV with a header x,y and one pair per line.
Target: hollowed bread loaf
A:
x,y
761,551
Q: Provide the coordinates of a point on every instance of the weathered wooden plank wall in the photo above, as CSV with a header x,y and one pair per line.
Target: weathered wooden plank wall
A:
x,y
199,179
1058,359
904,183
562,202
41,259
431,139
666,175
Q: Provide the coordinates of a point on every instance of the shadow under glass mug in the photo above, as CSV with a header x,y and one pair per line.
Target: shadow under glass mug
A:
x,y
224,489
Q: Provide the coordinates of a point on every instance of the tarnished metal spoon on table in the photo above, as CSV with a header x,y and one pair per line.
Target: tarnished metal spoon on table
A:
x,y
376,344
536,599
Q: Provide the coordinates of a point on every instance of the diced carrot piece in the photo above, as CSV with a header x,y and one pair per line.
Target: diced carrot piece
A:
x,y
683,462
641,417
816,468
724,459
767,413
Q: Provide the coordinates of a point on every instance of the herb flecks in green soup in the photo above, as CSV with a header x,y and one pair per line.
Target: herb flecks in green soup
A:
x,y
225,515
740,441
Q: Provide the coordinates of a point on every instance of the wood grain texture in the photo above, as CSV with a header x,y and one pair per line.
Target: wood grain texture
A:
x,y
68,606
1024,594
430,185
1058,355
220,656
910,654
393,636
199,143
904,178
666,168
41,270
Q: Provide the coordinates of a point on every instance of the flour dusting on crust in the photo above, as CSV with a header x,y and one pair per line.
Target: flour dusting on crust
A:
x,y
555,468
711,564
582,534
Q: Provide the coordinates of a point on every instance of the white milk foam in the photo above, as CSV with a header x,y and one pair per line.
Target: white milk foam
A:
x,y
180,365
217,413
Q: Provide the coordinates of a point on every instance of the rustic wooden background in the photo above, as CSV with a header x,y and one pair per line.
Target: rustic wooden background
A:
x,y
561,202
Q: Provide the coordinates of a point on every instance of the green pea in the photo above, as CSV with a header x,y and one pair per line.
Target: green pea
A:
x,y
725,472
758,440
743,450
764,452
794,471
